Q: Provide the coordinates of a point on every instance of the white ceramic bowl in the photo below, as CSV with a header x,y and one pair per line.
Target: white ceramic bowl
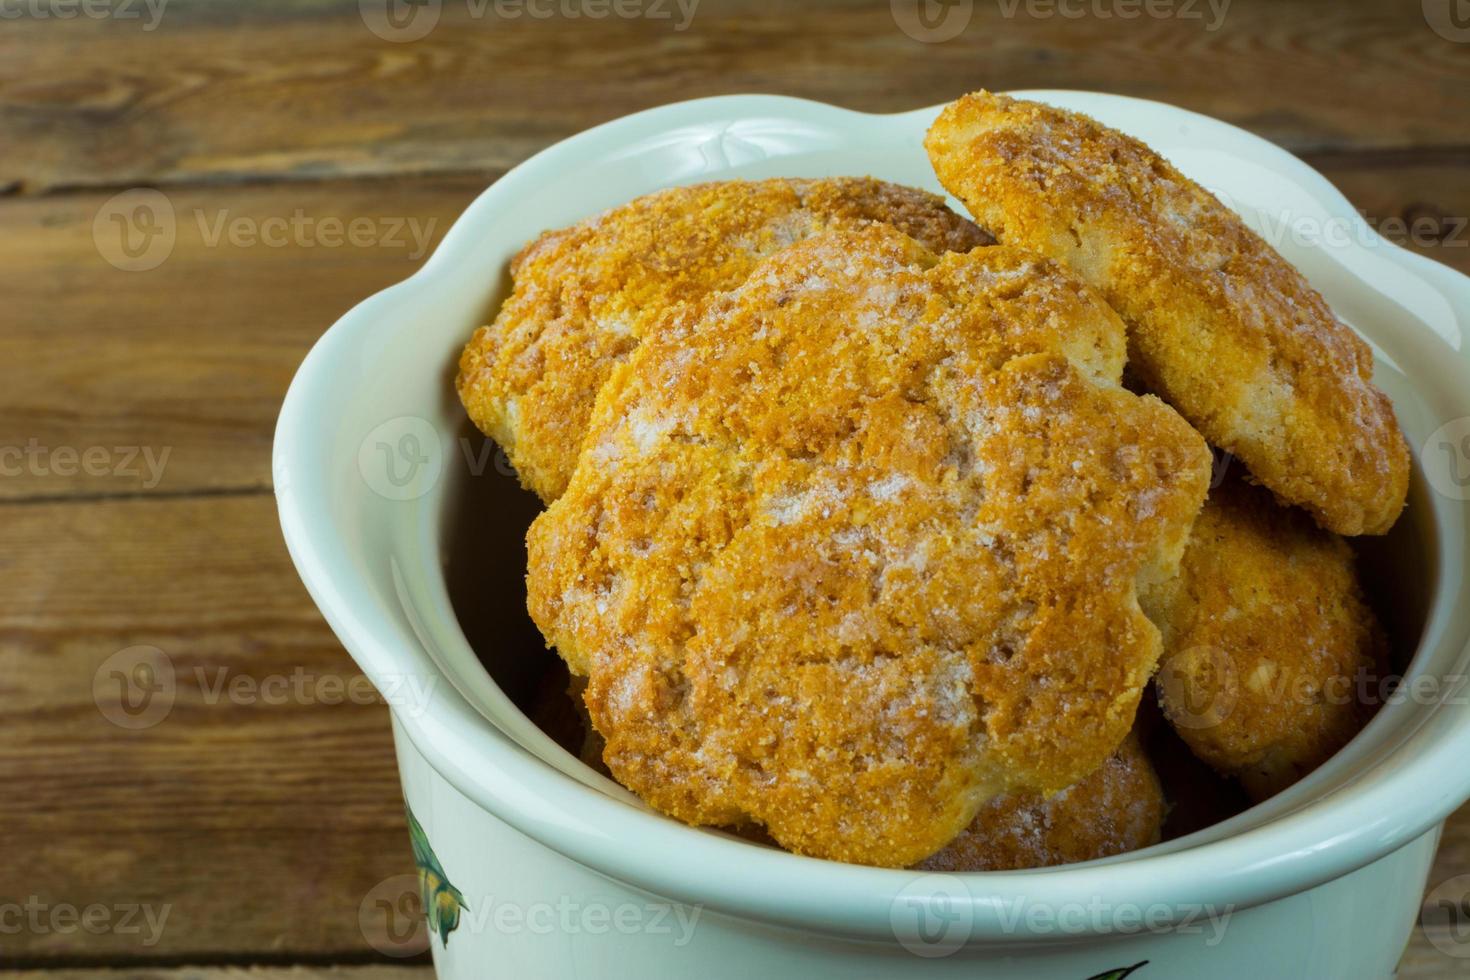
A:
x,y
563,874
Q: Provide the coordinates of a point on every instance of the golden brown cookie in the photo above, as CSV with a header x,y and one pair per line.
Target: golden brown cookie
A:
x,y
1267,641
1116,809
856,546
584,296
1220,326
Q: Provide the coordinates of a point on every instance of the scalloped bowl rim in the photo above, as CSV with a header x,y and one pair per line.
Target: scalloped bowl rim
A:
x,y
1314,840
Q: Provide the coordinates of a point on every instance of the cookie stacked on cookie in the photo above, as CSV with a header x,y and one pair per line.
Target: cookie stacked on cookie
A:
x,y
855,535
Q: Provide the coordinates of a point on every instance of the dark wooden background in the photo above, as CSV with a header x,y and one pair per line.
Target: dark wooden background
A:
x,y
261,823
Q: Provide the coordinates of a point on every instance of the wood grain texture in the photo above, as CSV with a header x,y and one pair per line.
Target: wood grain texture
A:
x,y
261,818
187,362
302,88
1418,200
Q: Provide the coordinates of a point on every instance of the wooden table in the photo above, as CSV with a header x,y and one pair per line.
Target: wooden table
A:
x,y
136,407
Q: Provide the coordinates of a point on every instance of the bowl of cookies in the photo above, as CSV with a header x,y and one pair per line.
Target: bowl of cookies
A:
x,y
1024,536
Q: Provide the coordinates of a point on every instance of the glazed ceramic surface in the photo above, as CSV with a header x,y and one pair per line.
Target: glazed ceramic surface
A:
x,y
371,465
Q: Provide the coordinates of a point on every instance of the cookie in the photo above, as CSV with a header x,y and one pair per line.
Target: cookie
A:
x,y
583,297
1271,653
855,547
1118,808
1220,325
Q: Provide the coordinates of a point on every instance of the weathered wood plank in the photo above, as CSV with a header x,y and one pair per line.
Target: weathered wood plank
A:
x,y
303,88
170,379
257,813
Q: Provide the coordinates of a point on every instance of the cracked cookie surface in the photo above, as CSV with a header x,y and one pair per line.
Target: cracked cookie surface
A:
x,y
1268,641
583,297
1220,325
855,547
